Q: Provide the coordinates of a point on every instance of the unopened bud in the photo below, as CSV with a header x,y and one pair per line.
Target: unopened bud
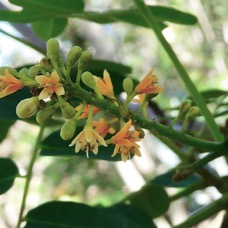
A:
x,y
128,85
68,110
193,112
53,49
33,71
68,129
27,107
89,80
23,74
46,64
85,59
185,106
11,70
73,55
45,114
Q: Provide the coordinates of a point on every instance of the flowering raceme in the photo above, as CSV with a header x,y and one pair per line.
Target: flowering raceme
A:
x,y
148,84
9,84
125,141
88,140
50,84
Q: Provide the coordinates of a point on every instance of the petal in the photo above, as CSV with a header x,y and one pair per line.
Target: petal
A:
x,y
88,130
45,93
123,131
116,150
55,77
107,80
42,79
59,90
99,138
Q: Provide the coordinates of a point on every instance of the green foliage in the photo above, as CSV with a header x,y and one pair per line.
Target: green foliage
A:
x,y
8,172
69,214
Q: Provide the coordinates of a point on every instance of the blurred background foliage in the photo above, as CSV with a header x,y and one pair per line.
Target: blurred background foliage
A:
x,y
202,48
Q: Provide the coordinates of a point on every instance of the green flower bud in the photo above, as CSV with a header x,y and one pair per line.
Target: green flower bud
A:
x,y
68,129
11,70
73,55
68,110
85,59
33,71
53,49
89,80
185,106
128,86
23,74
45,114
45,63
193,112
27,107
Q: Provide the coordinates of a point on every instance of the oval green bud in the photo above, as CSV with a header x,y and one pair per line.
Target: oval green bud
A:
x,y
73,55
89,80
11,70
53,49
33,71
193,112
185,106
128,86
45,114
27,107
68,111
85,59
68,129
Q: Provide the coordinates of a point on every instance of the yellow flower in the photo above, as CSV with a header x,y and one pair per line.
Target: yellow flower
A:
x,y
86,110
88,140
50,85
105,85
9,84
125,141
102,127
148,84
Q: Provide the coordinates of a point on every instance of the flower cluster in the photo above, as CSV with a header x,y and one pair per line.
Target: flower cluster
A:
x,y
52,88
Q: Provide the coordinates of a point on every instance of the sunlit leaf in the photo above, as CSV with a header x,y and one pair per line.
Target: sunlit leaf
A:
x,y
167,181
51,6
8,172
48,28
152,199
54,145
70,214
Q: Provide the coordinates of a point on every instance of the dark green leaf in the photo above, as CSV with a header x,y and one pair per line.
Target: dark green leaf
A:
x,y
69,214
213,93
161,14
5,125
51,6
23,16
8,172
167,181
9,103
152,199
54,145
48,28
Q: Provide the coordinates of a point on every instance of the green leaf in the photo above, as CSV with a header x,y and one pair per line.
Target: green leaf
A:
x,y
23,16
54,145
166,180
5,125
69,214
51,6
152,199
132,15
9,103
48,28
8,172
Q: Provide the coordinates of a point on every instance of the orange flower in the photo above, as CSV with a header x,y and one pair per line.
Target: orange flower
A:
x,y
9,84
148,84
85,111
51,85
105,85
102,127
125,141
88,140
